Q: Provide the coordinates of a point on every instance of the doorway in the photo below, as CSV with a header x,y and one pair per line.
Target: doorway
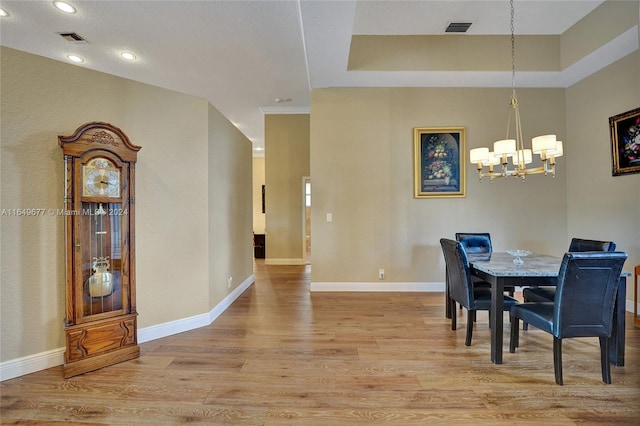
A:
x,y
306,244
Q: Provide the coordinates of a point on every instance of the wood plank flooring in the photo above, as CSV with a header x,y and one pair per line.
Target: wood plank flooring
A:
x,y
283,355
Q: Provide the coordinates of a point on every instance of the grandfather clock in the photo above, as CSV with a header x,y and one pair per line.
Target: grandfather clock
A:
x,y
100,322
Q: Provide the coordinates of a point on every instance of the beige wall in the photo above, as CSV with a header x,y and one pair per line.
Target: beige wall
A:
x,y
362,173
286,163
258,181
175,240
604,23
230,207
600,205
434,52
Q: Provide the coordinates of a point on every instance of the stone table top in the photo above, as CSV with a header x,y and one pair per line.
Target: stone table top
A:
x,y
501,265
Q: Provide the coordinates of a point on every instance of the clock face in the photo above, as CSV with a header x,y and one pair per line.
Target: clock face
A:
x,y
100,178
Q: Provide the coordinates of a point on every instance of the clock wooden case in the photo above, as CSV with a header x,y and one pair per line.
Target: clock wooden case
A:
x,y
100,320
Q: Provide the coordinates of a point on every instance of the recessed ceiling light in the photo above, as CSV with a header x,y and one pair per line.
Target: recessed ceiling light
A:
x,y
281,100
128,56
3,12
75,58
64,6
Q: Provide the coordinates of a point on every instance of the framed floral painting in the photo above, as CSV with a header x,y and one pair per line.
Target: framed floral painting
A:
x,y
625,142
439,166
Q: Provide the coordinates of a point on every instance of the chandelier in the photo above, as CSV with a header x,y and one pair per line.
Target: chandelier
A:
x,y
547,147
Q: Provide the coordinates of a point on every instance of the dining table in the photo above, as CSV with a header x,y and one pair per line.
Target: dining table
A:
x,y
500,271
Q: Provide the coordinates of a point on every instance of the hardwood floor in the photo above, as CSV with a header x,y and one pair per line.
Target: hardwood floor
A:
x,y
282,355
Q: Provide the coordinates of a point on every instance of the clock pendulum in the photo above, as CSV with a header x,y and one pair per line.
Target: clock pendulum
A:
x,y
100,283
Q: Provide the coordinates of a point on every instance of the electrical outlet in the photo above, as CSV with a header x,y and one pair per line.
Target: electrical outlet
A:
x,y
381,274
229,282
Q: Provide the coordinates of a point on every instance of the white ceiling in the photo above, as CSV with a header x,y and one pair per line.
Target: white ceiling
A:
x,y
243,55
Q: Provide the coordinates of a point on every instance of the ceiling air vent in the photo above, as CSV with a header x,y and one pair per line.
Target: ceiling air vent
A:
x,y
457,27
73,37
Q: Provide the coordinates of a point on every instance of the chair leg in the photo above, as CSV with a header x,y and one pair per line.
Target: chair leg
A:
x,y
604,360
514,341
471,315
557,359
454,315
525,325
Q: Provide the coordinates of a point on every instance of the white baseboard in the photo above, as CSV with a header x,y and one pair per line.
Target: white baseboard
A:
x,y
159,331
32,363
296,261
399,287
377,286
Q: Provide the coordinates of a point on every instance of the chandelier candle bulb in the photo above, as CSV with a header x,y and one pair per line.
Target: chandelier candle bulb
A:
x,y
555,153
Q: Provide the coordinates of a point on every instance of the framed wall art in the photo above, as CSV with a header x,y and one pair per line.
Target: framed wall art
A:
x,y
439,162
625,142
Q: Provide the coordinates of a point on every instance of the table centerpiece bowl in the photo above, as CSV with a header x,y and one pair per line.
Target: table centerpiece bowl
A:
x,y
518,255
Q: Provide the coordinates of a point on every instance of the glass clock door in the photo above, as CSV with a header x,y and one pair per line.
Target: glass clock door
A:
x,y
102,259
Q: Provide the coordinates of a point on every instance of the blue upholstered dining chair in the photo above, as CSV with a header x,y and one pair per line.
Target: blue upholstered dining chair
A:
x,y
476,243
462,290
548,294
580,245
479,245
583,306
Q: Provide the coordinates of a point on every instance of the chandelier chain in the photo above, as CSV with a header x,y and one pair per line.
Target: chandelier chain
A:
x,y
513,51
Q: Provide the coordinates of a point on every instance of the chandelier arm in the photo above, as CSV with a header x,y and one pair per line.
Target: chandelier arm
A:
x,y
519,139
514,97
533,171
511,109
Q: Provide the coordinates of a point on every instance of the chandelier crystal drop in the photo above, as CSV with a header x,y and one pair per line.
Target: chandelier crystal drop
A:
x,y
546,146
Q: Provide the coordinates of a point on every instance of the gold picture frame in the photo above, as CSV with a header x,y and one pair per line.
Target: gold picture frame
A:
x,y
439,162
625,142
